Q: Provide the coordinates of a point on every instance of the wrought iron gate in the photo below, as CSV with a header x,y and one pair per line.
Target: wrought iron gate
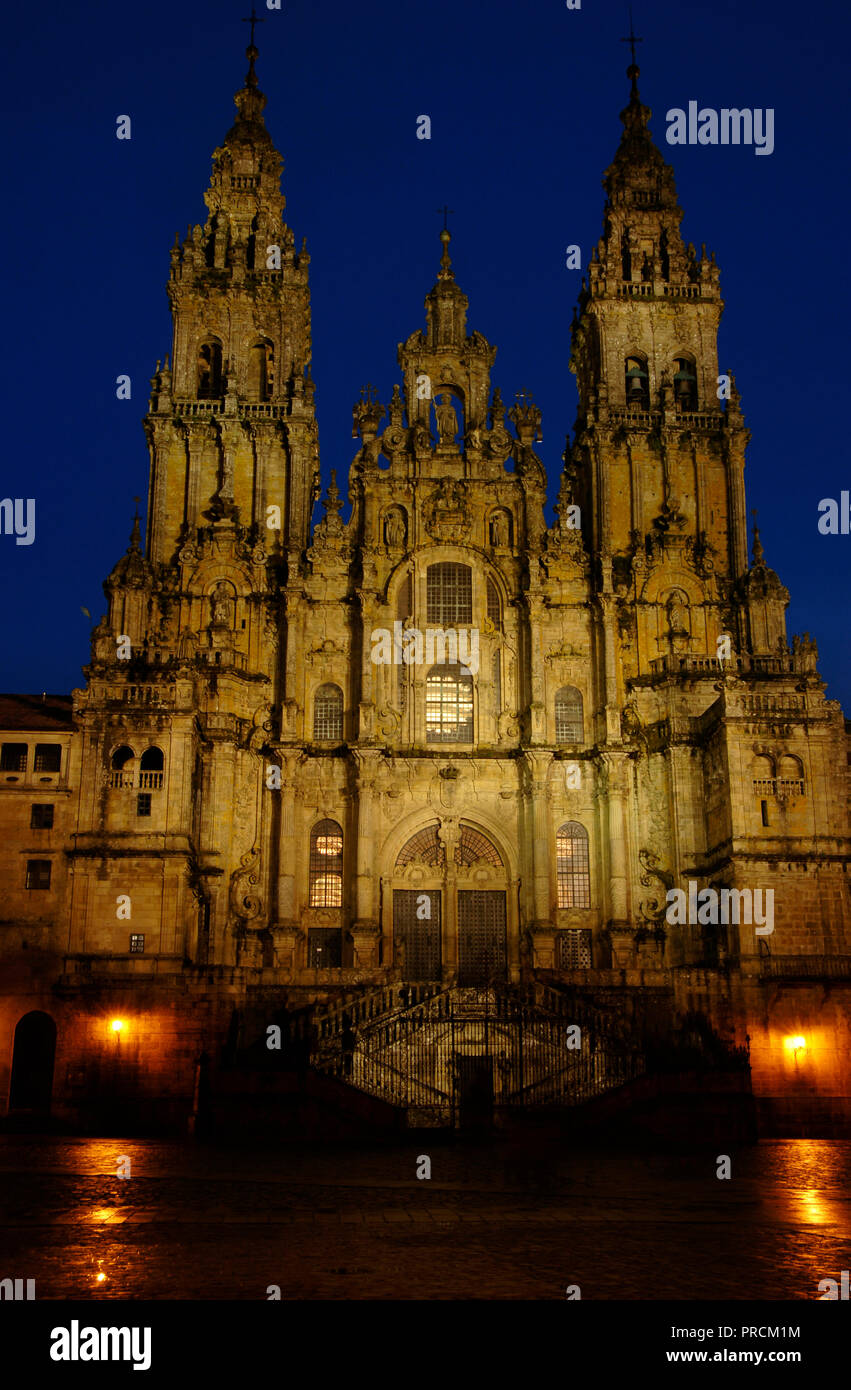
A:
x,y
482,951
418,935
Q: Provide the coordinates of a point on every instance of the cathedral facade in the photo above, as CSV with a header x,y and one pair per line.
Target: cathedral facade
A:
x,y
440,751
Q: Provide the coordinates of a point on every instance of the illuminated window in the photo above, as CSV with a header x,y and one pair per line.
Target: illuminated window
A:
x,y
572,866
568,708
137,944
326,865
449,595
328,712
449,705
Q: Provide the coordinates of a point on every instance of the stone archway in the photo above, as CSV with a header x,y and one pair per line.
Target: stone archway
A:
x,y
33,1056
450,888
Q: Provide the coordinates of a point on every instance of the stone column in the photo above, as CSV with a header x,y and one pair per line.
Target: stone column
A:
x,y
365,929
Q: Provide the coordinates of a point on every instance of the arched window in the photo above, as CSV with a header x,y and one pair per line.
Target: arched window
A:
x,y
790,776
494,606
326,865
328,712
209,370
151,766
475,848
637,383
449,595
685,384
572,866
422,848
449,705
569,726
121,770
260,371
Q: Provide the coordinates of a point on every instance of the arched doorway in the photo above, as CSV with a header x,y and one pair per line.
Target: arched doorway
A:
x,y
449,906
33,1055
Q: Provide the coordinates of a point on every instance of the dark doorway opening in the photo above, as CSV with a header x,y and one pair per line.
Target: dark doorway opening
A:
x,y
33,1057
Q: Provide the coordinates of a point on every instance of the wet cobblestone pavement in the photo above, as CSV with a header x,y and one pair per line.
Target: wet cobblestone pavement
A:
x,y
199,1222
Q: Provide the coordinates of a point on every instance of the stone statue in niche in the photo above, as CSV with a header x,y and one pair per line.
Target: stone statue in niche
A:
x,y
679,626
394,530
499,530
447,420
222,605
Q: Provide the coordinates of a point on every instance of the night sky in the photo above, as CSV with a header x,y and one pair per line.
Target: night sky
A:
x,y
524,102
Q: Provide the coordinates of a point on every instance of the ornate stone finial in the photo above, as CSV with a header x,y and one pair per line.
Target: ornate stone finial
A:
x,y
367,414
333,502
250,101
526,418
758,552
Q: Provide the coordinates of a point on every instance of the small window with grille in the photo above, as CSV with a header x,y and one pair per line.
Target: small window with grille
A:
x,y
41,817
48,757
574,949
137,943
324,948
143,804
38,873
13,757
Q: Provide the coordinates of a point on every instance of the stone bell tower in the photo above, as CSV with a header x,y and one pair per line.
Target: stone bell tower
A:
x,y
658,460
231,421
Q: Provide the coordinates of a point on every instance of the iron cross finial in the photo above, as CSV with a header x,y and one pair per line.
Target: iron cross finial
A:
x,y
252,20
632,39
446,212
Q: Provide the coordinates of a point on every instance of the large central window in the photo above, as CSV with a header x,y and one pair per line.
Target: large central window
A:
x,y
449,705
449,595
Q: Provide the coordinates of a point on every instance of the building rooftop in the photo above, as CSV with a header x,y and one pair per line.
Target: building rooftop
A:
x,y
45,712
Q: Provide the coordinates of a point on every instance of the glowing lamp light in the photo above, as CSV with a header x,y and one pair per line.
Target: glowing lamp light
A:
x,y
117,1024
796,1044
101,1278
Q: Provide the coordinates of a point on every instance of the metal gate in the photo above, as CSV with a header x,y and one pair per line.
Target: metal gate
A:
x,y
416,933
482,952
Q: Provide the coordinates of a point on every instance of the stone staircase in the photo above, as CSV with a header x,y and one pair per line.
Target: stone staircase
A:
x,y
449,1055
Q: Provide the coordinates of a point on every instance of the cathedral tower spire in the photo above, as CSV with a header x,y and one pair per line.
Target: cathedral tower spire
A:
x,y
231,424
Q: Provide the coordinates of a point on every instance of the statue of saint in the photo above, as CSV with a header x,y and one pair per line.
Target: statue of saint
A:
x,y
447,420
678,623
499,530
221,600
394,530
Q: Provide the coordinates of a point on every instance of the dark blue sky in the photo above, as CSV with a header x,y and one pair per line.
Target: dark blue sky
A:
x,y
524,102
